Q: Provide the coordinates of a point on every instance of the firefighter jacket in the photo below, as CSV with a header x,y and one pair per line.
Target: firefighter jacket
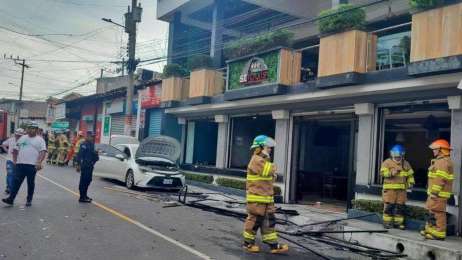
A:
x,y
51,143
396,176
260,179
440,178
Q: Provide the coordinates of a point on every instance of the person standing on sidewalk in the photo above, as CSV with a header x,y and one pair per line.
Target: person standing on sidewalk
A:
x,y
398,176
28,156
86,159
261,174
439,190
9,144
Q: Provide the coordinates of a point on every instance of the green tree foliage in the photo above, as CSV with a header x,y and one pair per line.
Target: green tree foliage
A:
x,y
200,62
341,18
425,4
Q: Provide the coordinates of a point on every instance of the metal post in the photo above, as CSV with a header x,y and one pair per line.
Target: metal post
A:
x,y
131,20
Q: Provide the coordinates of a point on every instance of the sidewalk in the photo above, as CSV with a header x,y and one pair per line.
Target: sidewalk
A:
x,y
406,242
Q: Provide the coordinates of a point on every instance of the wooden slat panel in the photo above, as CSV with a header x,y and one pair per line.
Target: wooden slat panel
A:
x,y
290,67
172,89
437,33
372,52
184,93
297,67
206,83
342,53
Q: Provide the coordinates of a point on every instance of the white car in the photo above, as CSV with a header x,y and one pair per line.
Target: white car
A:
x,y
151,164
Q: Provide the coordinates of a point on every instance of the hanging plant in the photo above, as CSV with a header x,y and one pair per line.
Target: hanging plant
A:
x,y
425,4
341,18
200,62
257,43
174,70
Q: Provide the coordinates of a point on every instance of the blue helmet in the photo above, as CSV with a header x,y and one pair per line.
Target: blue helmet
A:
x,y
397,151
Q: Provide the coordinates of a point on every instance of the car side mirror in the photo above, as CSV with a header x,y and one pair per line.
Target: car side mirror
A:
x,y
120,156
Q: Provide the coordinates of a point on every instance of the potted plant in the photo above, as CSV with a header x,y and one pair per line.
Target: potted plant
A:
x,y
436,33
174,85
204,81
343,45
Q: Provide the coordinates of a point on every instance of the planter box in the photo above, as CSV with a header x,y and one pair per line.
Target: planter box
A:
x,y
437,33
205,83
346,52
279,66
174,89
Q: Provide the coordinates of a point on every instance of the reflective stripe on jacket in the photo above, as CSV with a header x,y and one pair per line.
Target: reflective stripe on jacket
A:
x,y
403,178
260,180
440,177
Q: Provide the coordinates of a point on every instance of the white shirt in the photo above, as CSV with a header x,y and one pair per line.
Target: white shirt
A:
x,y
29,149
11,144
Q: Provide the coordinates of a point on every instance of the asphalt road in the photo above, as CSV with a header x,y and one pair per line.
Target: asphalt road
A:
x,y
117,226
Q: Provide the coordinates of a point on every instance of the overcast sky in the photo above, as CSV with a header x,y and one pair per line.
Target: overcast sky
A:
x,y
91,46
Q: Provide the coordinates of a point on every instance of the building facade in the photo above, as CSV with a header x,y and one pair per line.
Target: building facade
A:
x,y
334,103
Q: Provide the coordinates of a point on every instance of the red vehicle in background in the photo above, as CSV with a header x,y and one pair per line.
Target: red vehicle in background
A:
x,y
3,127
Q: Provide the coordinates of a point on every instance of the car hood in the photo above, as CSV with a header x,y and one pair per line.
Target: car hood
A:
x,y
159,147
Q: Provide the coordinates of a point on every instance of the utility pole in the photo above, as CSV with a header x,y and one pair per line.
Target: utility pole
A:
x,y
132,17
17,109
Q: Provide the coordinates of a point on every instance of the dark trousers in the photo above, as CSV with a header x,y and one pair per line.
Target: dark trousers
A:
x,y
86,175
23,171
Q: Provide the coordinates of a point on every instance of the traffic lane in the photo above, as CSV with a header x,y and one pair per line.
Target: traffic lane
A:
x,y
58,227
217,236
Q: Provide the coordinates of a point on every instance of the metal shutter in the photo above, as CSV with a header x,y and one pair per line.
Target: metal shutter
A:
x,y
117,124
155,122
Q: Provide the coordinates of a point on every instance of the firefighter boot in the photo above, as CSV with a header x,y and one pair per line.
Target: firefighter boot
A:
x,y
432,237
251,248
279,249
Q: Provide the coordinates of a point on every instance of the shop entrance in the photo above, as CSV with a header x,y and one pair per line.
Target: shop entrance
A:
x,y
323,160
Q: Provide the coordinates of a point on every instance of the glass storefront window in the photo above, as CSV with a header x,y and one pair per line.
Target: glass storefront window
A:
x,y
244,130
415,127
201,142
393,50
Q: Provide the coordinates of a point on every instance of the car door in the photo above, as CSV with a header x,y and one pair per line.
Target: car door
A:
x,y
101,166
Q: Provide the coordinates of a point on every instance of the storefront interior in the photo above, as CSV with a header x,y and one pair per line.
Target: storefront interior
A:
x,y
243,131
323,159
201,142
415,127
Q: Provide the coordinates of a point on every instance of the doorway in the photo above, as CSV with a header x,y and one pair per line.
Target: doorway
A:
x,y
323,168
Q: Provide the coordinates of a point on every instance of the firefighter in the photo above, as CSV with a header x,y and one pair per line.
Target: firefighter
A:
x,y
51,147
74,150
398,176
261,174
63,146
439,188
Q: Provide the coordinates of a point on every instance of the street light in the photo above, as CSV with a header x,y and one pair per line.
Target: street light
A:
x,y
107,20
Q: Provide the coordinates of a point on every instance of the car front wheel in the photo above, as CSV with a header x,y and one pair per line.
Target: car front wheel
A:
x,y
130,180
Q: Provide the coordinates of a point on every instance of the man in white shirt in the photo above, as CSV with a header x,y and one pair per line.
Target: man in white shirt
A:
x,y
28,156
9,145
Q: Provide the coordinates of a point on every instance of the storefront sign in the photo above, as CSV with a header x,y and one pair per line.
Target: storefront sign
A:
x,y
254,72
60,111
107,126
116,106
150,97
60,125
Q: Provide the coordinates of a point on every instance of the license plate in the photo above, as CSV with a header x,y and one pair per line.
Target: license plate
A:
x,y
168,181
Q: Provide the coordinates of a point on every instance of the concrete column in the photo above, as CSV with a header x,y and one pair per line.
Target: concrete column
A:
x,y
216,39
222,141
182,123
455,104
281,150
366,143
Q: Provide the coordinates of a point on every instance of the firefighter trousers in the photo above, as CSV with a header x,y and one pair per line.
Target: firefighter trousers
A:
x,y
436,217
260,217
394,206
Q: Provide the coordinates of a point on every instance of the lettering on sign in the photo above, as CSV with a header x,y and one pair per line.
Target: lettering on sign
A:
x,y
254,72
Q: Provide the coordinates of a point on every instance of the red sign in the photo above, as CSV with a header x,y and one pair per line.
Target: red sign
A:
x,y
150,97
255,71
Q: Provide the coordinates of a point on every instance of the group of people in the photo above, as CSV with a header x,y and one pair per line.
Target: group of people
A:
x,y
26,152
60,150
398,178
